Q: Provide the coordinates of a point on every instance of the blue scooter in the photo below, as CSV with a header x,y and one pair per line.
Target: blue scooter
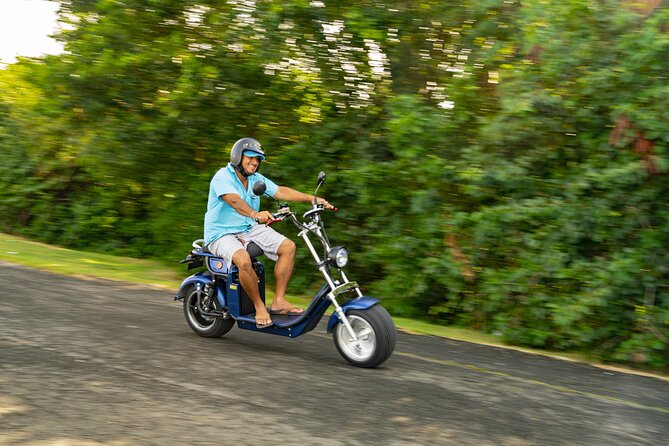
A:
x,y
213,299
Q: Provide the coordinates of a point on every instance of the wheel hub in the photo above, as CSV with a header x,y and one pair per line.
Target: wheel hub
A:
x,y
365,346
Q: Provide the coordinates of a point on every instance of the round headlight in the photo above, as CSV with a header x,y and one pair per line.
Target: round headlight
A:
x,y
338,256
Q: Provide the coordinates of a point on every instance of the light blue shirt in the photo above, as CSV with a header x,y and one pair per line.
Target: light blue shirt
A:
x,y
221,219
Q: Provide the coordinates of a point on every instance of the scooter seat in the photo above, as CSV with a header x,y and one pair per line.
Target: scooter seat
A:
x,y
254,250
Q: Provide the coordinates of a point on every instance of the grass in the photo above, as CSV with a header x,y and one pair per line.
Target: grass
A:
x,y
69,262
19,250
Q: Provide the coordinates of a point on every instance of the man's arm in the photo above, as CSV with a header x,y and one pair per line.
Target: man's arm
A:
x,y
288,194
239,205
282,193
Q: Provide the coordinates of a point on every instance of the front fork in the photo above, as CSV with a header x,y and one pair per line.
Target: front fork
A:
x,y
339,311
334,288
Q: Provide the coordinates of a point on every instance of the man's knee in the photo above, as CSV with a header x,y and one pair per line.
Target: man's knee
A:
x,y
287,247
242,259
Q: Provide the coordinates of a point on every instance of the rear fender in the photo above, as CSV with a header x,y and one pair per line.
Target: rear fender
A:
x,y
359,303
201,279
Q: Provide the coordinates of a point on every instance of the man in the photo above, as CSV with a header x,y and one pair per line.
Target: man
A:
x,y
232,221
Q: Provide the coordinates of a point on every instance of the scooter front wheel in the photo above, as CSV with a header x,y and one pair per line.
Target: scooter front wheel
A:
x,y
376,335
205,325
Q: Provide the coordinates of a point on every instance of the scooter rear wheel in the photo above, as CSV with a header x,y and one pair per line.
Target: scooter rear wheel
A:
x,y
376,334
203,325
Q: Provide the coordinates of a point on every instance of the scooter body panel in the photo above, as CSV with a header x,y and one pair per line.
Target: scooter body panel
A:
x,y
238,302
359,303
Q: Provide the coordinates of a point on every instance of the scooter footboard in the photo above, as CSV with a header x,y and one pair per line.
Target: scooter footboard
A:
x,y
359,303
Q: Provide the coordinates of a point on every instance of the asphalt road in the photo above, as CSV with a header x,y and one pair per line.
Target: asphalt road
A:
x,y
99,363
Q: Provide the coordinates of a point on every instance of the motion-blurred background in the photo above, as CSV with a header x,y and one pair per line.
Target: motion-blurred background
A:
x,y
500,165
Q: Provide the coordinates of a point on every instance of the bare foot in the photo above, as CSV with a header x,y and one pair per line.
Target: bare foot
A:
x,y
262,318
285,308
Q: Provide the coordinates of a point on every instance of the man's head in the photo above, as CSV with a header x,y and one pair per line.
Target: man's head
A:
x,y
246,155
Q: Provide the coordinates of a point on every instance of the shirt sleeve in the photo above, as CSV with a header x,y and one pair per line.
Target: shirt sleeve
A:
x,y
223,183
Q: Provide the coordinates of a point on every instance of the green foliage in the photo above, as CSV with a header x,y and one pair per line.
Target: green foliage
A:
x,y
497,165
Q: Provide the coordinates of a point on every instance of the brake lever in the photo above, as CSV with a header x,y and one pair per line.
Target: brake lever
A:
x,y
279,216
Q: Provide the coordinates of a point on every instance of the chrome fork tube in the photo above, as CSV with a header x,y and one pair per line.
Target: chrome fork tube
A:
x,y
344,320
307,241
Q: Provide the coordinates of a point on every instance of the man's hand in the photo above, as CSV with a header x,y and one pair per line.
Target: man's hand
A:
x,y
323,202
262,216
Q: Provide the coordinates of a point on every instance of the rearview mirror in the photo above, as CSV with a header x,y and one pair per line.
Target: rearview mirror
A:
x,y
259,188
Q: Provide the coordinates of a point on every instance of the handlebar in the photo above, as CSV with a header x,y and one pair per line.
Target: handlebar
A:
x,y
318,209
280,215
285,212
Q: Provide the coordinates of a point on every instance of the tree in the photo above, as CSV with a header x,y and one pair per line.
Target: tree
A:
x,y
505,162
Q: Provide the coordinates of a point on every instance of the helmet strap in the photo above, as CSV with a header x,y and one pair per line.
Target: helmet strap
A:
x,y
241,170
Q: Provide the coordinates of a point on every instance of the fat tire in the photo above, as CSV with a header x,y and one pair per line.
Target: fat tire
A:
x,y
205,326
385,334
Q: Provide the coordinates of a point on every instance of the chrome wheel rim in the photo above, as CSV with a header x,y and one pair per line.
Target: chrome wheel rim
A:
x,y
366,345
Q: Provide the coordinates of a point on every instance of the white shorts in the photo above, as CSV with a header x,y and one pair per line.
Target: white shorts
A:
x,y
265,237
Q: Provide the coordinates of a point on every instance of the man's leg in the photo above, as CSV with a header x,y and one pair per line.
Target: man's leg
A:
x,y
282,250
249,281
283,270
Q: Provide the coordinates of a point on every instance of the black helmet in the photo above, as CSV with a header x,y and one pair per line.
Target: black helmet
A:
x,y
243,145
